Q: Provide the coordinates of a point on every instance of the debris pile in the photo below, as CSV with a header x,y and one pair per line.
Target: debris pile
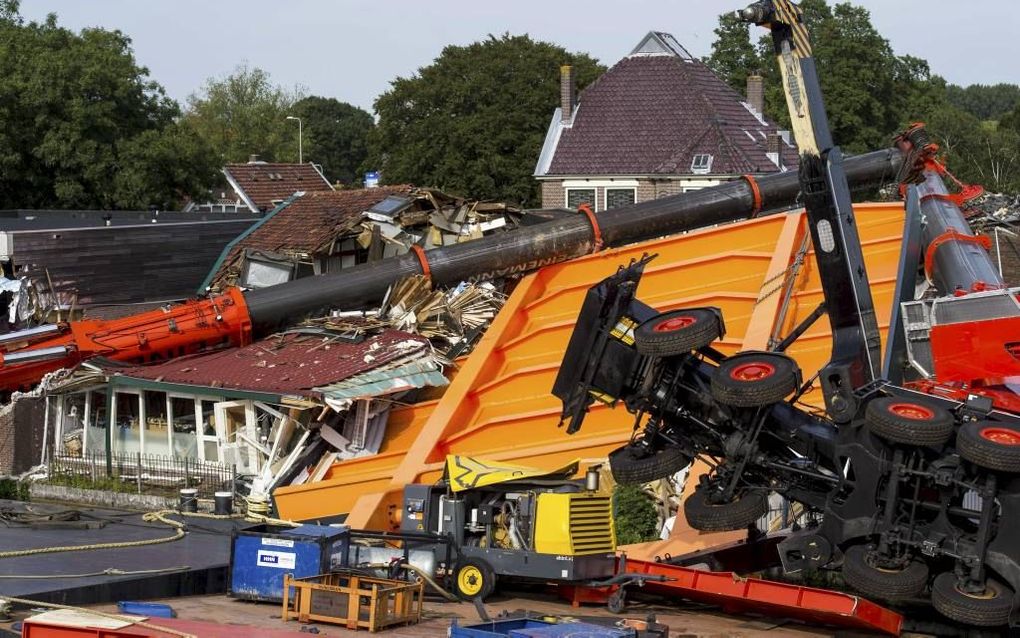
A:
x,y
323,232
993,209
452,320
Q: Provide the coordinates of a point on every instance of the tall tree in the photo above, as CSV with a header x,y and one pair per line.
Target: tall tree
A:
x,y
473,121
733,55
870,93
244,113
985,102
336,136
76,108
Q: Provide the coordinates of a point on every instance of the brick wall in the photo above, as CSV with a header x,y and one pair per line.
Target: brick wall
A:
x,y
552,194
646,190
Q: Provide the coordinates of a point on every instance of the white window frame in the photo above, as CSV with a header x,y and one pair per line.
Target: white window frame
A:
x,y
220,415
598,185
200,428
708,167
605,195
593,189
112,423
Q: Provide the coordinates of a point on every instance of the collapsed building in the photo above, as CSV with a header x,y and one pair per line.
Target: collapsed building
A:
x,y
320,232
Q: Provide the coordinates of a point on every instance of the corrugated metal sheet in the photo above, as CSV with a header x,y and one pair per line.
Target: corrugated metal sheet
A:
x,y
283,364
124,264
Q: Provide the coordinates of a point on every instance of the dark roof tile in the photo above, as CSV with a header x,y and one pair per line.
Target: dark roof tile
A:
x,y
651,114
308,224
266,184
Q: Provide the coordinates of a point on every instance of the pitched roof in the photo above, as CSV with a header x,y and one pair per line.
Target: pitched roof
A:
x,y
289,364
652,112
262,185
308,224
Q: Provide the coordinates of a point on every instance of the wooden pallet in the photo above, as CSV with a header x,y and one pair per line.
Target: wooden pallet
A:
x,y
352,600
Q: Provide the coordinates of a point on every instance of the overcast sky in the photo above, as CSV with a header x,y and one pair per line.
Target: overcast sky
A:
x,y
351,50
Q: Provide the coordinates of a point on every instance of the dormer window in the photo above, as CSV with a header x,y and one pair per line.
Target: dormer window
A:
x,y
701,164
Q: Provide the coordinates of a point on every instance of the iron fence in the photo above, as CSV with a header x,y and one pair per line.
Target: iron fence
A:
x,y
142,473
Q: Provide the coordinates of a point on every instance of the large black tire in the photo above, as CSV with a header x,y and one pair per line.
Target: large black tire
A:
x,y
704,515
473,579
909,422
676,332
862,574
632,465
990,610
755,379
993,446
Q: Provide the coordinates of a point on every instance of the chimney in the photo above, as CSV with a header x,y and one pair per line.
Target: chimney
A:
x,y
756,93
253,159
567,93
774,147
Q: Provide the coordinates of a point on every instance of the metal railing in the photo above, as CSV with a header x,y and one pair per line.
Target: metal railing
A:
x,y
141,473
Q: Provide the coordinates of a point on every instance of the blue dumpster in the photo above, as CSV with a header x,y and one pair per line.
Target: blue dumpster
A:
x,y
261,555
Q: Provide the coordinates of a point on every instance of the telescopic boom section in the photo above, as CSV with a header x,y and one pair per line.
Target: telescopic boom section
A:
x,y
856,345
155,335
236,317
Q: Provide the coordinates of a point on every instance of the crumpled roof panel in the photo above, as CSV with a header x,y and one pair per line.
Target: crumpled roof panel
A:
x,y
289,363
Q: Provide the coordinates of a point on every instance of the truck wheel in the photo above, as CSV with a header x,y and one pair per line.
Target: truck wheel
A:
x,y
861,573
704,515
633,465
989,609
754,379
474,579
993,446
907,421
676,332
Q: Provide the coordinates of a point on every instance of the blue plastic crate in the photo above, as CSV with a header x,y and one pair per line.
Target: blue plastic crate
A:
x,y
261,555
153,610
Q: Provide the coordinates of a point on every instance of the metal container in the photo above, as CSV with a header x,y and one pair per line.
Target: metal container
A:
x,y
377,559
224,503
261,555
188,500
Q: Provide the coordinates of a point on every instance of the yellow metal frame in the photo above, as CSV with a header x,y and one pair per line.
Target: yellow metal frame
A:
x,y
499,406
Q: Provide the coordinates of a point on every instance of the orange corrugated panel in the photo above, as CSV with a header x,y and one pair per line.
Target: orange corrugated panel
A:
x,y
500,406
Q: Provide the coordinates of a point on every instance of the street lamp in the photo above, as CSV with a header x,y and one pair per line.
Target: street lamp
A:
x,y
300,154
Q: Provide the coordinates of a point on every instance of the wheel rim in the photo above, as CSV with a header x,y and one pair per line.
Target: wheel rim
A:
x,y
469,580
912,411
1002,436
869,560
675,323
752,371
990,593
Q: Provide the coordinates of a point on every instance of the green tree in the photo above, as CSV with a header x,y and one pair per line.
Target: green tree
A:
x,y
634,515
244,113
870,93
336,135
1011,120
76,108
733,55
162,168
473,121
985,102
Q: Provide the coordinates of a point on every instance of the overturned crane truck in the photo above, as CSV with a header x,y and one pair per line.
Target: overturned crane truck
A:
x,y
236,317
917,483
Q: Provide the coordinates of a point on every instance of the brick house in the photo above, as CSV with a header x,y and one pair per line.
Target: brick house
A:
x,y
658,123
